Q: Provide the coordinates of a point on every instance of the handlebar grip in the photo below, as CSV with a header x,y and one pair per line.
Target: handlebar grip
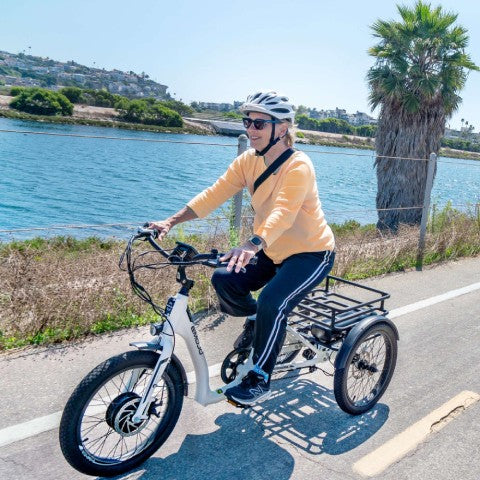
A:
x,y
224,264
145,231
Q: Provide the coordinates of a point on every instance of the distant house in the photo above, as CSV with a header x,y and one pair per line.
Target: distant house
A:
x,y
358,118
9,80
361,118
218,107
79,78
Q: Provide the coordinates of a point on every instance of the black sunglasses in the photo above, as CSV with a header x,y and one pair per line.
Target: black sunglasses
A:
x,y
258,123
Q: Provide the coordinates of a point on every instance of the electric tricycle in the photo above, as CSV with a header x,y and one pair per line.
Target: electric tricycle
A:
x,y
126,407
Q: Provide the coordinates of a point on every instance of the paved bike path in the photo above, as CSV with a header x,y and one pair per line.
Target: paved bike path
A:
x,y
301,427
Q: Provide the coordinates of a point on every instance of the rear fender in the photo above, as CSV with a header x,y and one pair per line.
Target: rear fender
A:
x,y
354,334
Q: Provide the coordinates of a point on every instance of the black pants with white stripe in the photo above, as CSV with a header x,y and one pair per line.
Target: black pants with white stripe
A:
x,y
284,286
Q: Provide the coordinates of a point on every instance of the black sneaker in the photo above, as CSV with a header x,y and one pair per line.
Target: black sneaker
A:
x,y
252,389
245,339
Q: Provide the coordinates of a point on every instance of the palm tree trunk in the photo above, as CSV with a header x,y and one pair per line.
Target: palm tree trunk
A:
x,y
400,181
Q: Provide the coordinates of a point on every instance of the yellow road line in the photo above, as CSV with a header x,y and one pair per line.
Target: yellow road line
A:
x,y
396,448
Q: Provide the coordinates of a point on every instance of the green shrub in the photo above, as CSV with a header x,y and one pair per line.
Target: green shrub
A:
x,y
366,130
14,91
99,98
233,115
74,94
42,102
300,135
461,144
332,125
178,107
148,112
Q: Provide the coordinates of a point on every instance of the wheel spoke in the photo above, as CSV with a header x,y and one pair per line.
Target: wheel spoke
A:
x,y
110,431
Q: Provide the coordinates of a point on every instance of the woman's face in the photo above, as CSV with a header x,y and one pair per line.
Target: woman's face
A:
x,y
259,139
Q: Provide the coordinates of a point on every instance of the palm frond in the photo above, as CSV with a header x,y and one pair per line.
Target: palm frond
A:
x,y
419,59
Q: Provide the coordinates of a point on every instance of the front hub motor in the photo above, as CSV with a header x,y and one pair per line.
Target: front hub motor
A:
x,y
120,412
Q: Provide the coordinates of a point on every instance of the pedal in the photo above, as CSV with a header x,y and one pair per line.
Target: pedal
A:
x,y
235,404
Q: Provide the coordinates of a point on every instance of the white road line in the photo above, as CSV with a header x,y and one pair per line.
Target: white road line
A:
x,y
213,371
34,427
397,447
397,312
29,429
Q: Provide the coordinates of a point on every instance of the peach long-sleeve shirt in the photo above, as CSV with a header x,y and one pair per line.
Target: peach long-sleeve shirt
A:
x,y
288,213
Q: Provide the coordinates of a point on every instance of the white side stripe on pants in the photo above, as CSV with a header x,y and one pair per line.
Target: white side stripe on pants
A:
x,y
276,325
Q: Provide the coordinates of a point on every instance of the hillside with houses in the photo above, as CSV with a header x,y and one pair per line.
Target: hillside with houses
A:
x,y
31,71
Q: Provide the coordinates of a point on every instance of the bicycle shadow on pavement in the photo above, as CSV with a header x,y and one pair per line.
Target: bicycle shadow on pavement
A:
x,y
238,449
259,442
305,415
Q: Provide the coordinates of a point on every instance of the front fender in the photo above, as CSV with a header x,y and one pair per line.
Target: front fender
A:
x,y
178,365
354,334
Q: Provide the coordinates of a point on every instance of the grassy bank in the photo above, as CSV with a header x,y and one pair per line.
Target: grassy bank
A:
x,y
344,141
347,141
187,128
62,288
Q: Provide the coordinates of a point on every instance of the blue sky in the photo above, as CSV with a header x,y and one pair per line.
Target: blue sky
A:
x,y
313,51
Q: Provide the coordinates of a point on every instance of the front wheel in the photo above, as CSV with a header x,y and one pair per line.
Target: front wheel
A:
x,y
368,370
97,434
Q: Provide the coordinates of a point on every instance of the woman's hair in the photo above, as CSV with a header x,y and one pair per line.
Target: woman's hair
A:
x,y
290,135
289,138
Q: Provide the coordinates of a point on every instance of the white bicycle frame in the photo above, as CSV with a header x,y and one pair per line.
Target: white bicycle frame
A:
x,y
179,323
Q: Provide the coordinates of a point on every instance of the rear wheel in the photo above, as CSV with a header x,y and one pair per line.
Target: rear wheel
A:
x,y
97,433
368,370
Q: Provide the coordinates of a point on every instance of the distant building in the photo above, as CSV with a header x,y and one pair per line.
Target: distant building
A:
x,y
79,78
9,80
358,118
218,107
361,118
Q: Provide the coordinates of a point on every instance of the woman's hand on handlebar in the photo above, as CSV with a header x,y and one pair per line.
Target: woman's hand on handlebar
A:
x,y
239,256
162,227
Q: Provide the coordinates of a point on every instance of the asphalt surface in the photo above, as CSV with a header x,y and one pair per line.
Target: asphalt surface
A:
x,y
301,432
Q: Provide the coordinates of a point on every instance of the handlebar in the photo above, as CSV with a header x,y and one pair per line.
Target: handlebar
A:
x,y
183,254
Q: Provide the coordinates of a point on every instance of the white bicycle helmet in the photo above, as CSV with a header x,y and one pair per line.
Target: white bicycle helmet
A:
x,y
271,103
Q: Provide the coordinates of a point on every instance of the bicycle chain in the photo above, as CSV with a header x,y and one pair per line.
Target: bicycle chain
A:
x,y
310,370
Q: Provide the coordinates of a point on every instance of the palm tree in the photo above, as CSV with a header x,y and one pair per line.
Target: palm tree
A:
x,y
420,67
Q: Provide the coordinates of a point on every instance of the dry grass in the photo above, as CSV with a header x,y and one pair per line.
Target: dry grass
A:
x,y
63,288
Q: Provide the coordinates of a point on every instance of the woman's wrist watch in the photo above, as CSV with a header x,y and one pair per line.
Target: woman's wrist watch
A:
x,y
256,241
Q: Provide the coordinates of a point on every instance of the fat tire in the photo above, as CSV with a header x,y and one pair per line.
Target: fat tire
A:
x,y
340,386
69,434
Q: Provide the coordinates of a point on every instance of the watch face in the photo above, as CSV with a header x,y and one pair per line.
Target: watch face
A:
x,y
256,241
